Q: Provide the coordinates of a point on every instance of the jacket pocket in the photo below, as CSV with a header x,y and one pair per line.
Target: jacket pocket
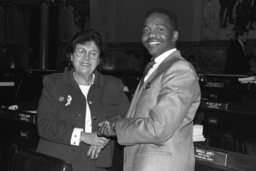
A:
x,y
153,149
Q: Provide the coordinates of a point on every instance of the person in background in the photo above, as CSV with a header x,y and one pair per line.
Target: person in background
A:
x,y
237,59
74,102
226,12
157,131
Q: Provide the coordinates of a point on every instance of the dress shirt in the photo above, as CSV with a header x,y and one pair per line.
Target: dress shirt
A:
x,y
158,60
88,120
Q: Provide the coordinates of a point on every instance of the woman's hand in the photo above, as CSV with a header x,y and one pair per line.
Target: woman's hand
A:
x,y
93,152
93,139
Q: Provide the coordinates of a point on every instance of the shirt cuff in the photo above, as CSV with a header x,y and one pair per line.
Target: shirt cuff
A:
x,y
75,137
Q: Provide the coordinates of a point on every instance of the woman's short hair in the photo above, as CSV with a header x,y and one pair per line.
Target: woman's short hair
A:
x,y
85,36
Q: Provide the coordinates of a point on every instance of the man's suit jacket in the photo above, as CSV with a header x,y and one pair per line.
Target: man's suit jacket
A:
x,y
157,132
57,118
237,61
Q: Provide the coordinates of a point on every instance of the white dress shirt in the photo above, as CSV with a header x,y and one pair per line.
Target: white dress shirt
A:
x,y
75,137
158,60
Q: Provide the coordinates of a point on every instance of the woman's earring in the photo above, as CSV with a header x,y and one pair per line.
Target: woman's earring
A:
x,y
99,65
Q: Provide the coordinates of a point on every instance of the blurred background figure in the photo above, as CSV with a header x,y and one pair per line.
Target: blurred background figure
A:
x,y
237,60
226,12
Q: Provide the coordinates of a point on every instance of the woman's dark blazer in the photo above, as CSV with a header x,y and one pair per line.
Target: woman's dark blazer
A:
x,y
57,118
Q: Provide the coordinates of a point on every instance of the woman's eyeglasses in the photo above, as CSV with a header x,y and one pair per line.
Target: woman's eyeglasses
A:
x,y
80,52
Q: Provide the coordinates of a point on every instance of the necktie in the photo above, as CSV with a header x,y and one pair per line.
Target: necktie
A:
x,y
147,68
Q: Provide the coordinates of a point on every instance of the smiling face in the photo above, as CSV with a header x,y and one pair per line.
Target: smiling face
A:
x,y
158,35
85,58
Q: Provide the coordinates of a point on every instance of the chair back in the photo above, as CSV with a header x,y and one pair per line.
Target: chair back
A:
x,y
33,161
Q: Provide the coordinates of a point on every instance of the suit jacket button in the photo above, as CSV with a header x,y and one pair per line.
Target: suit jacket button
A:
x,y
90,102
79,115
94,117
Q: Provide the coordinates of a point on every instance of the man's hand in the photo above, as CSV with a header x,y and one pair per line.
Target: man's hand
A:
x,y
107,128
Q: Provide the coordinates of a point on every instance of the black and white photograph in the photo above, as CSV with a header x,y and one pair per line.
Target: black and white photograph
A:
x,y
125,85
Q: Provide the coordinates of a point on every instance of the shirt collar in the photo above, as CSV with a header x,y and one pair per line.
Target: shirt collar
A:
x,y
69,79
163,56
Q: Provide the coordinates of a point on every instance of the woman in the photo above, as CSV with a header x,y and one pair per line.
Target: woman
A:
x,y
74,102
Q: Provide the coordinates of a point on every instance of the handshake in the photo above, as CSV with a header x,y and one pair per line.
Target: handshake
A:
x,y
107,128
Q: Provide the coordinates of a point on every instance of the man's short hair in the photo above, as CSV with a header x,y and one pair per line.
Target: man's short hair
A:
x,y
172,16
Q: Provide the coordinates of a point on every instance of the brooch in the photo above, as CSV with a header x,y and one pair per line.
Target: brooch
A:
x,y
69,99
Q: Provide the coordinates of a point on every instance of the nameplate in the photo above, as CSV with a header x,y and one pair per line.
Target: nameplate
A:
x,y
214,84
211,156
214,105
27,118
24,134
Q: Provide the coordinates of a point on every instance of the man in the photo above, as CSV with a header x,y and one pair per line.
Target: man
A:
x,y
237,61
157,131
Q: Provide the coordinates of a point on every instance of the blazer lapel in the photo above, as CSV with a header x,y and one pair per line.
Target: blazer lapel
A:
x,y
171,59
167,63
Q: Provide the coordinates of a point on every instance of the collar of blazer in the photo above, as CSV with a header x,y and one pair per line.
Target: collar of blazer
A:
x,y
167,63
69,79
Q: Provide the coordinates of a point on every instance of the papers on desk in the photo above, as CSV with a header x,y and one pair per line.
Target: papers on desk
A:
x,y
198,133
251,79
198,138
13,107
6,84
16,107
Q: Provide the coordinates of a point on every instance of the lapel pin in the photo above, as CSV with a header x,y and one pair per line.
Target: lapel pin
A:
x,y
69,99
61,99
147,86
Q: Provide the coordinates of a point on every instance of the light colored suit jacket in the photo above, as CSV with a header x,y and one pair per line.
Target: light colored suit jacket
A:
x,y
157,131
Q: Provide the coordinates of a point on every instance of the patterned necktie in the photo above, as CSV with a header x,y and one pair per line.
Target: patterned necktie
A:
x,y
147,68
